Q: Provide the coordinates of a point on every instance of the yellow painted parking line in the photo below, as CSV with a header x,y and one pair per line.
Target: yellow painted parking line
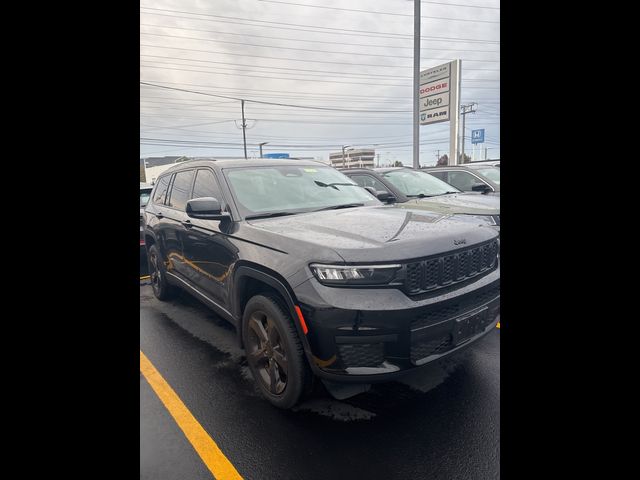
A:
x,y
211,455
498,325
145,277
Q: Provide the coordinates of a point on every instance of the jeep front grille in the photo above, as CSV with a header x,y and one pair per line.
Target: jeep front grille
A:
x,y
433,273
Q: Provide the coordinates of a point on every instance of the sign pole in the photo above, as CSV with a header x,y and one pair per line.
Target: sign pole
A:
x,y
454,112
416,83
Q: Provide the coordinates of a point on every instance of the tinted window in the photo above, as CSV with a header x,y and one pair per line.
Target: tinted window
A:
x,y
369,181
463,180
206,186
161,190
441,175
181,189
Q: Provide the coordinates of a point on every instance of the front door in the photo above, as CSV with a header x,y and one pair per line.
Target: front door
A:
x,y
209,255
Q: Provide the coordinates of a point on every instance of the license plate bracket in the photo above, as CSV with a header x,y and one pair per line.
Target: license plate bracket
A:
x,y
469,325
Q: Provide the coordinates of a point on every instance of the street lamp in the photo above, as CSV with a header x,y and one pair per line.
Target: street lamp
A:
x,y
261,144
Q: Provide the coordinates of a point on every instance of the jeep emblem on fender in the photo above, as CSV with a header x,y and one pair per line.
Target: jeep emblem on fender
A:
x,y
461,241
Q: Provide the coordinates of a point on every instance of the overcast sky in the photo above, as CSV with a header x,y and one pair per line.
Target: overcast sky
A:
x,y
285,52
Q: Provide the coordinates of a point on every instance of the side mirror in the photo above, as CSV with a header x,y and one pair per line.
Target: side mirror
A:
x,y
481,187
206,208
386,197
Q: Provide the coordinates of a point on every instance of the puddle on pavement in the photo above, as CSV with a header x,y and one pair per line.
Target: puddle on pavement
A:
x,y
382,399
334,409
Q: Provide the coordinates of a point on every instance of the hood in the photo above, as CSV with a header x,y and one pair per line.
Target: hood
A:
x,y
376,234
466,203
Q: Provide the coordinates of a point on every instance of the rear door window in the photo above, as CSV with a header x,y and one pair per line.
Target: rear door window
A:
x,y
181,189
160,193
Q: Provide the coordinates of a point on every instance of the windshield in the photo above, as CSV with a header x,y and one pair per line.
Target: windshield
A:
x,y
491,173
415,183
144,197
293,189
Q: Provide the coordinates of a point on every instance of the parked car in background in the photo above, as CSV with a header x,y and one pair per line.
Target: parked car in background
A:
x,y
469,177
416,189
318,276
145,194
493,163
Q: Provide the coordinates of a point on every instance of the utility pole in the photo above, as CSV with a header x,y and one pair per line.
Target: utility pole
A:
x,y
244,135
260,145
416,83
378,162
464,109
437,156
485,152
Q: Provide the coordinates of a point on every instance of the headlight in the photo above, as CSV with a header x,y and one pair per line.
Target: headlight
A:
x,y
354,274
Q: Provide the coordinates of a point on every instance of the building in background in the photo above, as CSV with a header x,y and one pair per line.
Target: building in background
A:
x,y
353,158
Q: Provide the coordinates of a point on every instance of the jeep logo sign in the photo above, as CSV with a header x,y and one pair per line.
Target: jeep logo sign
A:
x,y
434,101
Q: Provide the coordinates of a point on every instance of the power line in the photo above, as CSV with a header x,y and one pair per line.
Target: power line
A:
x,y
275,104
384,13
431,38
363,32
302,60
466,5
295,79
313,50
322,73
331,95
333,52
305,40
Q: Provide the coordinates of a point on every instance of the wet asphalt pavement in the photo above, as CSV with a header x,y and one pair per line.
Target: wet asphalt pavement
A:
x,y
443,424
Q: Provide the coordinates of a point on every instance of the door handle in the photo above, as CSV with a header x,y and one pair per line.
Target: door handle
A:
x,y
159,215
187,223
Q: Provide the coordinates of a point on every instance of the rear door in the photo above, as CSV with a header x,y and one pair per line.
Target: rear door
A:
x,y
154,215
175,219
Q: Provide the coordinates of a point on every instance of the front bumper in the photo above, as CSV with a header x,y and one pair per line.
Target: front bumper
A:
x,y
384,334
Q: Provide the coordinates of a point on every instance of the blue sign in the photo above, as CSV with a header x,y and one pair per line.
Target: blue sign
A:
x,y
276,155
477,136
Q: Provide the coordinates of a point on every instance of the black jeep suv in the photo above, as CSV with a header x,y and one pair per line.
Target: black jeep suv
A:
x,y
318,276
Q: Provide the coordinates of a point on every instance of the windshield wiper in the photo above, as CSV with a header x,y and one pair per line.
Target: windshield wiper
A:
x,y
419,195
333,185
269,214
336,207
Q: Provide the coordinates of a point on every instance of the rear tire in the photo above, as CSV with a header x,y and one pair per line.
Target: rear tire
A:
x,y
158,275
274,351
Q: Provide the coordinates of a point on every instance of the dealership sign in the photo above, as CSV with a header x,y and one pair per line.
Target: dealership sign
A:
x,y
477,136
435,94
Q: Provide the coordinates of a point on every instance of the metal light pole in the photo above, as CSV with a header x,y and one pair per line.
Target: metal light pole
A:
x,y
261,144
416,83
343,161
244,126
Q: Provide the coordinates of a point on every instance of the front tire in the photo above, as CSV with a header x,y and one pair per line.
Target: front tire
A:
x,y
274,351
